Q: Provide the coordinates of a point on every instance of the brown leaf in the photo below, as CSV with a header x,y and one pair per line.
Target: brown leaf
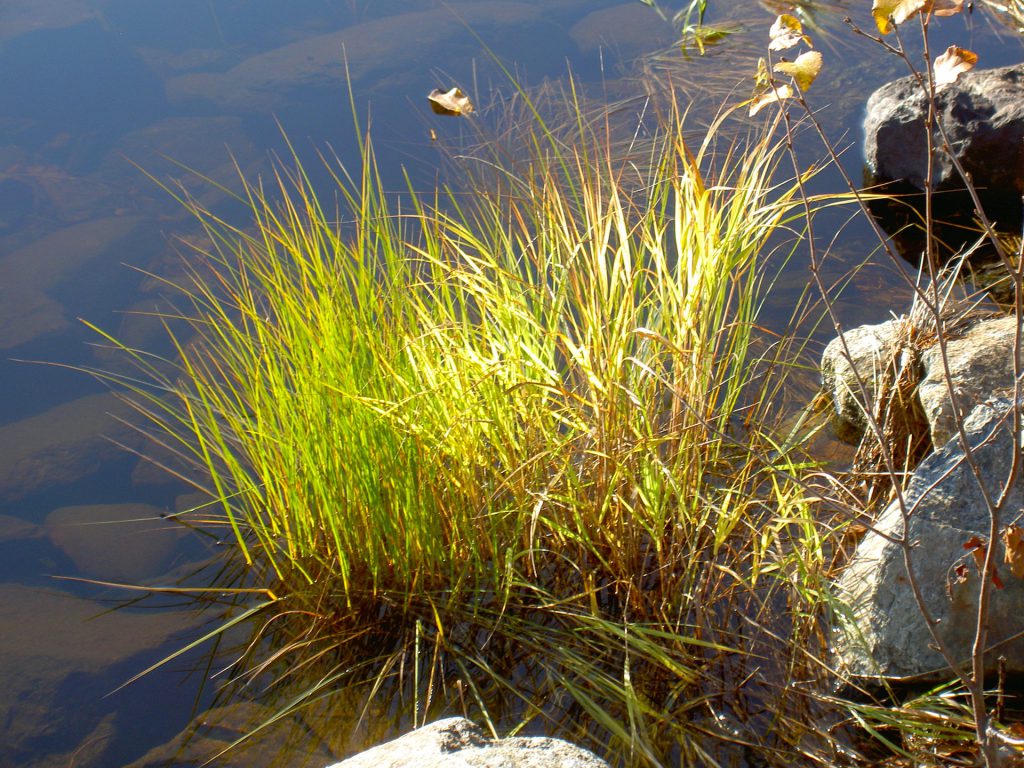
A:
x,y
950,65
1013,540
786,32
978,549
946,7
453,102
961,573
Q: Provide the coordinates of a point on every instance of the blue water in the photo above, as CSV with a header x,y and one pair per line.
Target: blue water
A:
x,y
93,92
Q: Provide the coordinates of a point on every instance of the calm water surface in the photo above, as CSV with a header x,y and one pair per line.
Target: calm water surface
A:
x,y
93,92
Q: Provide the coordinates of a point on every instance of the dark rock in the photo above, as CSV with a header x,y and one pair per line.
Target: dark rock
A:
x,y
983,115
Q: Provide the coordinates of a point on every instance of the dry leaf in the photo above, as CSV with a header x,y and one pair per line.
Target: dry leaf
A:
x,y
901,10
961,573
1013,540
946,7
803,70
763,78
978,548
950,65
786,32
453,102
770,96
887,12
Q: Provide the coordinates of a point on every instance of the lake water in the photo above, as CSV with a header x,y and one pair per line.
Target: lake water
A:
x,y
95,95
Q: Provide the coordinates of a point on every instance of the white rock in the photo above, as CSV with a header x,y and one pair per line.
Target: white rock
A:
x,y
458,743
980,361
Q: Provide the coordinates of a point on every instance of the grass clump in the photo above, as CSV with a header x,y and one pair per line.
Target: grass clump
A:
x,y
509,452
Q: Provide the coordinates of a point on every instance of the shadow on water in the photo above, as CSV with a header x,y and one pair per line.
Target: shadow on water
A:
x,y
956,231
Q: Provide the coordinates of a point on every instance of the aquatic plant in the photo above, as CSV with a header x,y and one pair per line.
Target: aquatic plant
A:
x,y
510,450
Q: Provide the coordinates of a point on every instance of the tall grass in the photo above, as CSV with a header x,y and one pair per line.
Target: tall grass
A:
x,y
510,452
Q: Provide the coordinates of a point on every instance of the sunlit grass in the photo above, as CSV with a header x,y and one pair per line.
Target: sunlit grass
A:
x,y
511,452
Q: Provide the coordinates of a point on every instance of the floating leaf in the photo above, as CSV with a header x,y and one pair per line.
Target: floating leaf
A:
x,y
453,102
770,96
978,549
950,65
803,70
1013,539
786,32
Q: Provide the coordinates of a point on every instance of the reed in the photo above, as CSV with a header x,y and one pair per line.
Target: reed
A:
x,y
511,452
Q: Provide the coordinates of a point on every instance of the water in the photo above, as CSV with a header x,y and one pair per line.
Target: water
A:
x,y
93,93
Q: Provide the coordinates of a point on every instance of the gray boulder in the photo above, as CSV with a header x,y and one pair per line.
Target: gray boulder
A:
x,y
980,360
983,114
861,352
980,363
458,743
884,633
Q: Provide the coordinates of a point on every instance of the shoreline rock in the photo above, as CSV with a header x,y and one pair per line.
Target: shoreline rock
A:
x,y
458,743
979,355
887,635
983,115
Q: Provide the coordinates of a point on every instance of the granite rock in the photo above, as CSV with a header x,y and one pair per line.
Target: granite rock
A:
x,y
458,743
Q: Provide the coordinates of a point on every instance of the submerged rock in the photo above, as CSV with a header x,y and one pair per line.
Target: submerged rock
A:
x,y
62,256
29,16
286,742
49,638
360,52
62,445
629,28
26,315
31,275
125,543
887,635
457,743
983,115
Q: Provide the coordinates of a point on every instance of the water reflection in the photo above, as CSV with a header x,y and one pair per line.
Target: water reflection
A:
x,y
93,87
